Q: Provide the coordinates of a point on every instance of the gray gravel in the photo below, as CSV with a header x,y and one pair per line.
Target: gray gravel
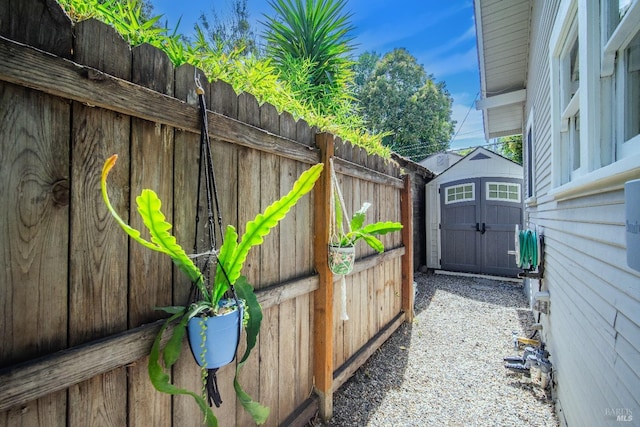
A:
x,y
446,368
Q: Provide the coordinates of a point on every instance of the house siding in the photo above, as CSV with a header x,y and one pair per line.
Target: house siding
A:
x,y
593,326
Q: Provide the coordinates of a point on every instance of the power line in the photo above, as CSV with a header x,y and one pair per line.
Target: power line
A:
x,y
489,144
465,118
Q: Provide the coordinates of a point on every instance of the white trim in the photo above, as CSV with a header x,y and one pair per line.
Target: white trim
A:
x,y
623,34
530,159
453,187
561,27
503,199
590,105
502,100
608,178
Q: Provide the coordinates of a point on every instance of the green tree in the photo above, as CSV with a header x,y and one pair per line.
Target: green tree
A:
x,y
232,33
362,70
399,97
511,147
311,39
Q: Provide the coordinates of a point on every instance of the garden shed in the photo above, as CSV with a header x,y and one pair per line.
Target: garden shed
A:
x,y
472,209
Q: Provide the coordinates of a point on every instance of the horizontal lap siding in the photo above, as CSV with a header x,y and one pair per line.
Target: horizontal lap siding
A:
x,y
593,329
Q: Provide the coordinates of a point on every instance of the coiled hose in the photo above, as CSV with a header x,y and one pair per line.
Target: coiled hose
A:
x,y
528,245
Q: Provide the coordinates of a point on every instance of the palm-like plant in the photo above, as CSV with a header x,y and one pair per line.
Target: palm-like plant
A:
x,y
317,31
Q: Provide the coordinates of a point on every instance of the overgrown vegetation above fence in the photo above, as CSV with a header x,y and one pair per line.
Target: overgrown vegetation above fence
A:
x,y
245,73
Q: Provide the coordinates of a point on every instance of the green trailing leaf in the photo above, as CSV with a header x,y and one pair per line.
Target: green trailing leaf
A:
x,y
245,291
161,380
358,218
381,228
258,412
171,351
149,208
226,253
373,242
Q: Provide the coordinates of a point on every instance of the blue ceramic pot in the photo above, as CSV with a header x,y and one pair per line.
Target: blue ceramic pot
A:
x,y
222,336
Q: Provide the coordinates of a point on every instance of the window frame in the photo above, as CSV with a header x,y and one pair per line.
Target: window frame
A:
x,y
576,121
529,157
613,70
454,187
518,191
606,161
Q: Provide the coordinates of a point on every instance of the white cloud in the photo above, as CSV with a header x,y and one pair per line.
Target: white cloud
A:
x,y
396,29
453,64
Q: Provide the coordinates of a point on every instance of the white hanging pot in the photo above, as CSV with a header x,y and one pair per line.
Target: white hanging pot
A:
x,y
341,259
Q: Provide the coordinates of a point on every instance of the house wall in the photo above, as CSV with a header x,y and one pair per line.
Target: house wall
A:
x,y
593,326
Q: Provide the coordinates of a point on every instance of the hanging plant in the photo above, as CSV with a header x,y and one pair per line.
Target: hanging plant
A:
x,y
342,240
346,237
211,303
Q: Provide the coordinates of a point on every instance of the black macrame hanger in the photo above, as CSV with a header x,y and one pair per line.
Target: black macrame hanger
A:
x,y
206,174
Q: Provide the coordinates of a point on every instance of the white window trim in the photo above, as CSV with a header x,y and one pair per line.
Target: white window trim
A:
x,y
473,193
624,33
501,199
528,161
613,81
587,15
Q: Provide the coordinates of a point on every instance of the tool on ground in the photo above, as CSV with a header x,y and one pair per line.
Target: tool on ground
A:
x,y
534,362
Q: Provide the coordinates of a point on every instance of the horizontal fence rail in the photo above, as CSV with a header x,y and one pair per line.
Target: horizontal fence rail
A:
x,y
78,316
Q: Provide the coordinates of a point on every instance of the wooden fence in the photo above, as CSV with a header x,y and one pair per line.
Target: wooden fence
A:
x,y
77,298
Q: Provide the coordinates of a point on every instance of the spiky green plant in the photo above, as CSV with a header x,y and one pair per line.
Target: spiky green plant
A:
x,y
316,31
233,254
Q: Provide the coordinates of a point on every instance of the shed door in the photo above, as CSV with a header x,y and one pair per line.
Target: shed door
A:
x,y
478,221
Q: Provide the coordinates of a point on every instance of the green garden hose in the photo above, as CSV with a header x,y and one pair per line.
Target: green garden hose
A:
x,y
528,245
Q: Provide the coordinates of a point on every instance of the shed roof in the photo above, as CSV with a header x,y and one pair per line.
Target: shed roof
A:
x,y
481,163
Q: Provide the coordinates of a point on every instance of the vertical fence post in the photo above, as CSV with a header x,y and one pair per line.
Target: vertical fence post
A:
x,y
406,214
323,299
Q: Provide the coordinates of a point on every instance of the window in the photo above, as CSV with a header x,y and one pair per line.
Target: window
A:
x,y
631,80
569,77
460,193
503,191
594,59
529,153
620,28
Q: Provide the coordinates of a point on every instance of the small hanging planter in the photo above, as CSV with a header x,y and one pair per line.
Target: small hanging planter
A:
x,y
342,239
214,339
341,259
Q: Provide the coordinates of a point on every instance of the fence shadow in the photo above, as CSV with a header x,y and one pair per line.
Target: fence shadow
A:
x,y
358,399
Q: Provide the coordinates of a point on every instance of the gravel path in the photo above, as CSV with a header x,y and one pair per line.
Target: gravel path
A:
x,y
446,368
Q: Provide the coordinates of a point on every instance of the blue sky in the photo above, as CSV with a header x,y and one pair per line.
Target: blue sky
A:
x,y
440,34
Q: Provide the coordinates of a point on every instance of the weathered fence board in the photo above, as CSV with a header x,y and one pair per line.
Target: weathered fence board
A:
x,y
67,265
96,313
